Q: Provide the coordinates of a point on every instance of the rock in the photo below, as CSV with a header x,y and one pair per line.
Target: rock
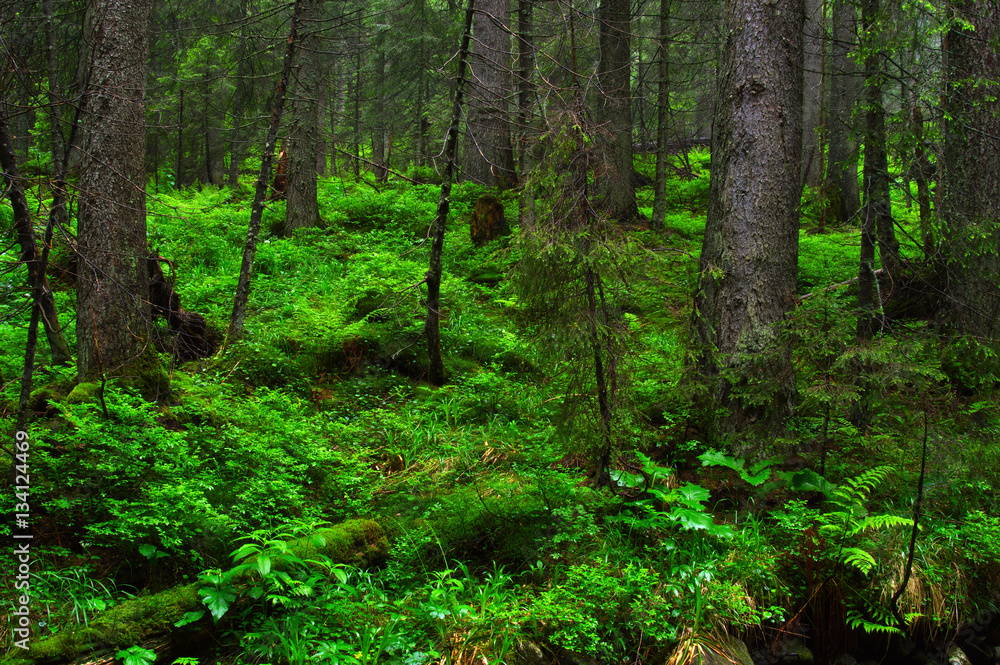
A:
x,y
845,659
795,650
957,657
83,393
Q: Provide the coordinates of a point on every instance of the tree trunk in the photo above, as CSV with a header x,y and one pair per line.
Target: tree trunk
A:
x,y
302,211
242,97
923,167
489,155
260,193
877,205
750,253
113,315
436,373
662,118
842,173
812,93
971,206
614,180
525,97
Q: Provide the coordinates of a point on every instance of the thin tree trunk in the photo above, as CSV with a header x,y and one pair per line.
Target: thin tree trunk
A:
x,y
257,210
180,143
662,118
813,93
436,372
923,191
525,94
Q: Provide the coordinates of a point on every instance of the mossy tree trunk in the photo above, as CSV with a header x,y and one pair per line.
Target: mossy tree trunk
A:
x,y
749,259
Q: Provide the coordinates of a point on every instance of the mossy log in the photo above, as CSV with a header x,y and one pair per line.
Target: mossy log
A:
x,y
148,619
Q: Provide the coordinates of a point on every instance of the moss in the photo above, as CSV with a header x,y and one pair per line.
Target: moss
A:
x,y
84,393
122,625
357,542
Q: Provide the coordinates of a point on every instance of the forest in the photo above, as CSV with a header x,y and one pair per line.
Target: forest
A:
x,y
547,332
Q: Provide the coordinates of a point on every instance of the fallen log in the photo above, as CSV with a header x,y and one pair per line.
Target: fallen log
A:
x,y
149,620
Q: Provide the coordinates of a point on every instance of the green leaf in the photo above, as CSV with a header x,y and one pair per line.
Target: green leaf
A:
x,y
217,600
189,617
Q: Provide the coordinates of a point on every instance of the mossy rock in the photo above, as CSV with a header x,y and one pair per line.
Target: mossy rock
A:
x,y
84,393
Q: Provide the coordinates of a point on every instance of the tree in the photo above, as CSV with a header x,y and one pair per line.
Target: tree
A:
x,y
813,93
432,325
302,210
260,192
113,313
614,77
489,154
971,205
842,169
749,259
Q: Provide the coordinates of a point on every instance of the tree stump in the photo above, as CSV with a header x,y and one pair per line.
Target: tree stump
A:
x,y
488,221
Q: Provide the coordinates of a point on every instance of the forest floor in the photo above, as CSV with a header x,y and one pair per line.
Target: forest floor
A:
x,y
498,546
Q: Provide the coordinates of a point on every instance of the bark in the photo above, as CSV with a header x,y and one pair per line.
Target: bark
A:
x,y
614,181
489,154
749,259
812,93
662,118
302,210
971,205
877,207
436,372
842,172
113,316
260,193
379,115
525,98
923,168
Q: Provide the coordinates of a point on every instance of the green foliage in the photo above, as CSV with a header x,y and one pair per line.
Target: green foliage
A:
x,y
137,655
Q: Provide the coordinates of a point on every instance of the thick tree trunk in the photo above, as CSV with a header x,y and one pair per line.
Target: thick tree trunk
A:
x,y
302,210
971,206
614,180
113,315
489,154
749,259
842,173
